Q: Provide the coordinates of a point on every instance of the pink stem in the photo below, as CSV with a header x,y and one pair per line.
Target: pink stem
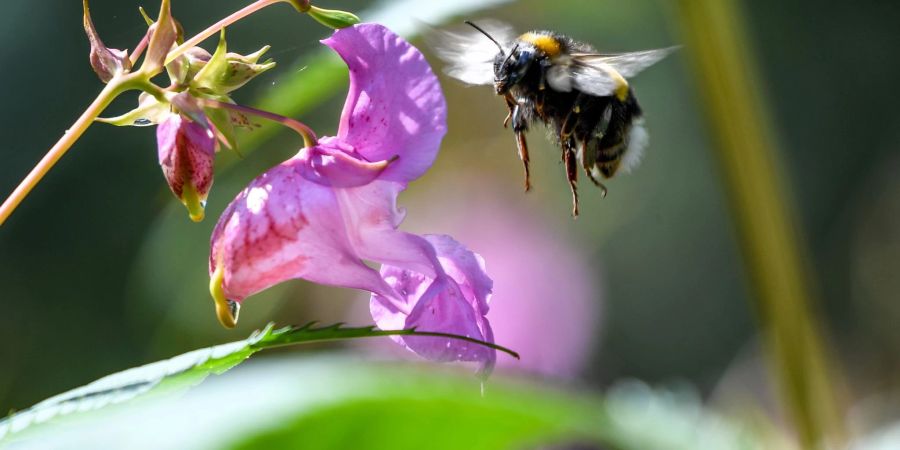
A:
x,y
309,137
300,5
138,50
116,86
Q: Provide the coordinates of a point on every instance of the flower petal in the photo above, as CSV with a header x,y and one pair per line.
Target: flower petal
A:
x,y
395,107
445,309
283,226
466,267
445,304
372,217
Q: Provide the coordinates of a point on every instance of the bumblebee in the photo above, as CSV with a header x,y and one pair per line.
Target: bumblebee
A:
x,y
582,96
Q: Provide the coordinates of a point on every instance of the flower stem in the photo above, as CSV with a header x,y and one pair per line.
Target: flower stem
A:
x,y
309,137
760,201
216,27
115,87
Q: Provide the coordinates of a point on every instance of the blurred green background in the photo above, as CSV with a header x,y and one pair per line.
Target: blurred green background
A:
x,y
100,268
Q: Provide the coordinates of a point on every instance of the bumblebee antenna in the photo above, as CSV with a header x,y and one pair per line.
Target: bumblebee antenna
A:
x,y
471,24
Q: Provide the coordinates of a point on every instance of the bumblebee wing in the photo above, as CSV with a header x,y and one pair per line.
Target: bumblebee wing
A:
x,y
468,53
591,77
604,74
627,64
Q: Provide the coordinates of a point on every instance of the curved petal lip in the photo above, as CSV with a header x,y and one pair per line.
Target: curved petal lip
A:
x,y
454,301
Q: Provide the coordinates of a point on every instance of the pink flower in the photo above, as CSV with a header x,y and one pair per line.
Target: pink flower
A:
x,y
548,294
321,214
186,153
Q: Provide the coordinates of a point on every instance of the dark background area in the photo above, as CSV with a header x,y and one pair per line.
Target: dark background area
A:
x,y
101,270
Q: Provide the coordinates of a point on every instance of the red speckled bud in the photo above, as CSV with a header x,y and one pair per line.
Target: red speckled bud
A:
x,y
186,153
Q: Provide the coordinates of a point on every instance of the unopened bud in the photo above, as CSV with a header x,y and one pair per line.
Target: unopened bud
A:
x,y
184,68
242,69
224,72
333,18
163,34
107,62
186,152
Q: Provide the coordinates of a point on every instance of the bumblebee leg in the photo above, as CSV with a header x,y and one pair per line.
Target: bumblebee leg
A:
x,y
520,126
511,105
572,175
522,145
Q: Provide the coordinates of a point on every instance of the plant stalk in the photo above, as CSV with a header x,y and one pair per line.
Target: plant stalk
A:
x,y
309,137
773,247
115,87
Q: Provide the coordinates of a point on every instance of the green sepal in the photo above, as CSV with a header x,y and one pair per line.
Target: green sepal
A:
x,y
242,69
194,202
150,111
149,20
209,77
225,72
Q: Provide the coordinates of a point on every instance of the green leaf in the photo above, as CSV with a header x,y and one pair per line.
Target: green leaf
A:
x,y
339,403
189,369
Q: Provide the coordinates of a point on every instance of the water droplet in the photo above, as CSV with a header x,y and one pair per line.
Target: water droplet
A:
x,y
142,122
234,308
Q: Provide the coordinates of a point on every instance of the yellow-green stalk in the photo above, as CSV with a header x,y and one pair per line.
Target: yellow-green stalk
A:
x,y
773,247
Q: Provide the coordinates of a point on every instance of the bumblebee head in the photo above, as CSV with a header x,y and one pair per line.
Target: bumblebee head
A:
x,y
510,68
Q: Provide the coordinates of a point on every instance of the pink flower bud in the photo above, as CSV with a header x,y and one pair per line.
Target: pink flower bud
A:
x,y
186,152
